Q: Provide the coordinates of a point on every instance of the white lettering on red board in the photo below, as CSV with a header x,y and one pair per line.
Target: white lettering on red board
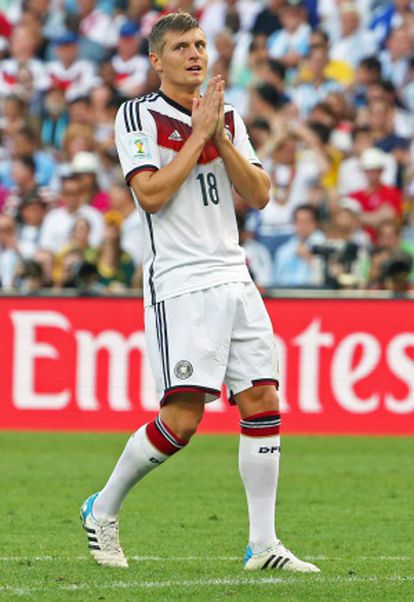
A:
x,y
26,351
310,341
345,373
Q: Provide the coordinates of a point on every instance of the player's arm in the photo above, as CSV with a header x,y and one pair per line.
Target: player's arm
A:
x,y
251,181
155,189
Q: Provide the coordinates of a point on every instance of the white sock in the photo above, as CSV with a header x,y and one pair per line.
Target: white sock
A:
x,y
139,457
259,470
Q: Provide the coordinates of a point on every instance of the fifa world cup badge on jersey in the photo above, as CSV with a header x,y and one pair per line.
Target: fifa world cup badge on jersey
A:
x,y
139,148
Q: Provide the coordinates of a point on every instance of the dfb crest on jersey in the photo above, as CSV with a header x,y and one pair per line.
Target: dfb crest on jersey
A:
x,y
183,369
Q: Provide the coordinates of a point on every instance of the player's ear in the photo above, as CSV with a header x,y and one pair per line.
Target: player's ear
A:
x,y
155,61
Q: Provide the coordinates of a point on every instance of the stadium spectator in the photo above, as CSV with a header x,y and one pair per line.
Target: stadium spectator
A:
x,y
78,137
290,43
80,110
14,115
9,256
26,142
346,248
258,258
355,43
383,120
28,277
78,245
339,71
57,226
129,65
330,20
267,21
22,173
378,201
31,214
98,32
104,106
54,119
115,267
389,238
260,135
307,94
268,103
236,16
74,76
351,176
388,16
295,263
22,64
130,223
395,57
368,72
396,271
86,166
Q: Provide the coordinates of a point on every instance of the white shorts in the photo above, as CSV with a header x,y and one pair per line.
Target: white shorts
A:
x,y
201,339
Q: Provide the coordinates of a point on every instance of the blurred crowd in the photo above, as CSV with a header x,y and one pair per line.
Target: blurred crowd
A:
x,y
326,88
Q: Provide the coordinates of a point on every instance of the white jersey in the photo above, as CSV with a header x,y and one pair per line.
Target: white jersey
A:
x,y
192,243
76,80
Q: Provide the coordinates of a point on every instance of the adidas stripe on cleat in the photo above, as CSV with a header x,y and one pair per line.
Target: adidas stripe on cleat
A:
x,y
103,537
277,557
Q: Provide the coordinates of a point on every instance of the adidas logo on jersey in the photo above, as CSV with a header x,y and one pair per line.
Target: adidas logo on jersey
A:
x,y
175,136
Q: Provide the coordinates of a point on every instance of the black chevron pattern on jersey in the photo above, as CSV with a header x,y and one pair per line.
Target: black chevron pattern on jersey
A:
x,y
132,117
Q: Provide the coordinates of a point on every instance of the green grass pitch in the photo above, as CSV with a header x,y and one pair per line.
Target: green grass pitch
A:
x,y
346,503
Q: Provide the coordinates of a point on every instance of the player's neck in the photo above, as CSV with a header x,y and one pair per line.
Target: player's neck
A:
x,y
182,96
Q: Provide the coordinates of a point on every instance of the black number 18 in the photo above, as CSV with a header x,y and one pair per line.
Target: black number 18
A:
x,y
209,189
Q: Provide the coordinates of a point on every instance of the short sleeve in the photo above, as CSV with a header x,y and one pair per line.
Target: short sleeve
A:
x,y
136,139
242,142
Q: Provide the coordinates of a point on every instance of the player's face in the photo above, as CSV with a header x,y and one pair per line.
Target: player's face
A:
x,y
183,59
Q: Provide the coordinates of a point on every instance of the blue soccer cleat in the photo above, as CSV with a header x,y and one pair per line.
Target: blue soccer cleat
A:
x,y
103,537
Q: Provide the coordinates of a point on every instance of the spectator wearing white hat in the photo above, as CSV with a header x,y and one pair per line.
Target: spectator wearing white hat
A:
x,y
86,166
378,201
351,176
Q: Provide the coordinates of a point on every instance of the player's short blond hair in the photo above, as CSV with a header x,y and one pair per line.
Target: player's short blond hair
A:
x,y
178,22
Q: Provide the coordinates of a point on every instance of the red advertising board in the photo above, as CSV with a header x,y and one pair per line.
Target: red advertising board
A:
x,y
346,366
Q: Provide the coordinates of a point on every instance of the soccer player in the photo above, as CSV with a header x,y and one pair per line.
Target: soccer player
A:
x,y
205,321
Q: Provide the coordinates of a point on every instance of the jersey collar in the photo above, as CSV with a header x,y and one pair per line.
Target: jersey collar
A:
x,y
174,104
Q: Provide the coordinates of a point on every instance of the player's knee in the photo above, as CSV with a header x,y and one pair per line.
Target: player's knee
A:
x,y
184,425
257,400
183,417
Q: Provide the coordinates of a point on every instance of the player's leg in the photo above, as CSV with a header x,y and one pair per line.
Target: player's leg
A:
x,y
251,378
149,447
259,454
